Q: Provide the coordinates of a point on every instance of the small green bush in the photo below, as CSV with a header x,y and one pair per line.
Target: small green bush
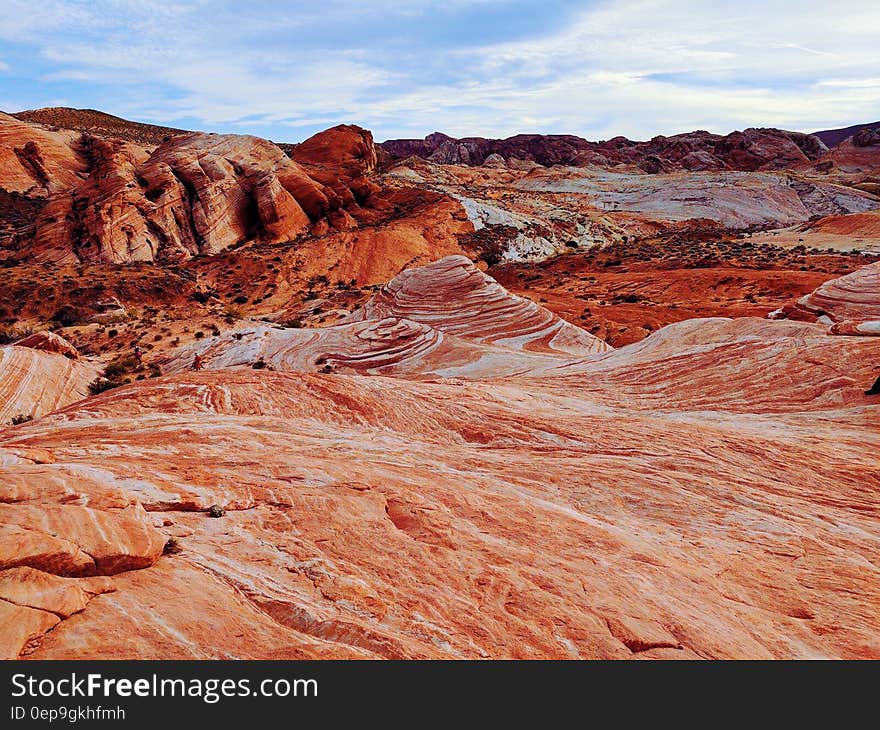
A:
x,y
99,385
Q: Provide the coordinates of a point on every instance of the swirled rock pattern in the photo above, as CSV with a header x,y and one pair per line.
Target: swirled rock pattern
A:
x,y
374,346
854,296
710,491
446,318
687,496
453,296
851,303
34,382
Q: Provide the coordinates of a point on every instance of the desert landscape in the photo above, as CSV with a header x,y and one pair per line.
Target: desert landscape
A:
x,y
527,398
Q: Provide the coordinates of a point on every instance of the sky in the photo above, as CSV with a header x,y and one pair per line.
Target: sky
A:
x,y
286,69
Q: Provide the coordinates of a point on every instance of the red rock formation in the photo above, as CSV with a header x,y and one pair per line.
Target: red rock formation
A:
x,y
672,499
112,201
453,296
34,382
49,342
851,301
194,194
37,162
751,149
446,319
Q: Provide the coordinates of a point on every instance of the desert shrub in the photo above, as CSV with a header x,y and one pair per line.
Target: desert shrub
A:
x,y
13,334
119,367
292,324
114,375
199,335
112,333
259,364
21,418
241,299
67,316
99,385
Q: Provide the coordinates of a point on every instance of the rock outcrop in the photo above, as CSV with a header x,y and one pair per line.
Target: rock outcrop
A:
x,y
35,162
445,319
851,302
49,342
453,296
751,149
678,498
107,200
34,382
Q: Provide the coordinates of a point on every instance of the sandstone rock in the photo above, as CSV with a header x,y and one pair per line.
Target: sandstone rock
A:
x,y
673,498
855,296
114,201
345,146
453,296
49,342
73,540
868,327
22,628
495,160
46,592
446,319
37,162
34,382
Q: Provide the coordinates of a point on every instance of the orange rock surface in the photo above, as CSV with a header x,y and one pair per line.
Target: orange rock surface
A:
x,y
70,198
708,492
34,382
394,450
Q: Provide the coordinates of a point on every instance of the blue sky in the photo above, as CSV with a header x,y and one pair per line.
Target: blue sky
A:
x,y
286,69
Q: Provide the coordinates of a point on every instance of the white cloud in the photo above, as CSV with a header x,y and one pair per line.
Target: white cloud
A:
x,y
633,67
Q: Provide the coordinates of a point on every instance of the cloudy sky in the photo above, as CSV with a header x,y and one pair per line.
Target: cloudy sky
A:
x,y
404,68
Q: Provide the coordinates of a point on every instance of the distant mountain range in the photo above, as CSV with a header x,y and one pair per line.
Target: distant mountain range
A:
x,y
547,149
833,137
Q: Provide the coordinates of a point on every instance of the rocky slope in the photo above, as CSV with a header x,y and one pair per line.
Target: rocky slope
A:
x,y
851,302
709,492
446,319
71,198
39,376
530,215
99,124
